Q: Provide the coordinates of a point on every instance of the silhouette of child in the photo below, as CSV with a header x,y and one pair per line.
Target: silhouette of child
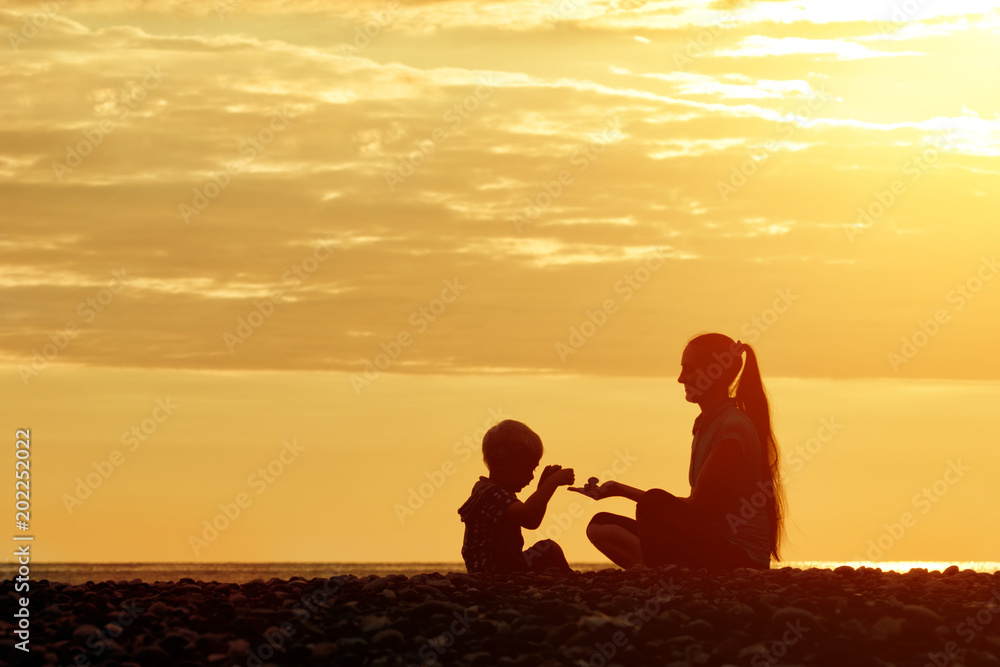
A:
x,y
494,516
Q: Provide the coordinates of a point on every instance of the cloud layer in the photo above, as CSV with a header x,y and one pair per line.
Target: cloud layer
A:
x,y
317,176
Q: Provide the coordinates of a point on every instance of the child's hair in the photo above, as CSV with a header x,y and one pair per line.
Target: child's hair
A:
x,y
510,441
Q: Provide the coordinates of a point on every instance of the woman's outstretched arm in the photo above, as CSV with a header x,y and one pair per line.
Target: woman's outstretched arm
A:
x,y
609,489
711,489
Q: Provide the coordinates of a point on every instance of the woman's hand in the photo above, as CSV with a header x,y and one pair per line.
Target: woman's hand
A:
x,y
594,489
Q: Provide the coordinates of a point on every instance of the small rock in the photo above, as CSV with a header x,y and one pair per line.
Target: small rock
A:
x,y
792,615
152,656
887,627
388,638
321,650
700,628
370,624
85,631
921,615
375,586
238,648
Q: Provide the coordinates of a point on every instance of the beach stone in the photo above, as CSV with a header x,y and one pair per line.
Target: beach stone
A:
x,y
752,651
152,656
370,624
158,608
700,628
85,631
238,647
479,659
322,650
781,617
174,643
921,615
388,639
212,642
375,586
351,643
951,570
464,579
887,627
438,607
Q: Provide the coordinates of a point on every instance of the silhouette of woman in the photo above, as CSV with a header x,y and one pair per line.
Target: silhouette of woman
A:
x,y
734,515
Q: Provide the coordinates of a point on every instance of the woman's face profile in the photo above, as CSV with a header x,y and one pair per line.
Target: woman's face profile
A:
x,y
690,363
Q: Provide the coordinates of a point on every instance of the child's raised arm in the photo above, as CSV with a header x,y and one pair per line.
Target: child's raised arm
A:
x,y
529,514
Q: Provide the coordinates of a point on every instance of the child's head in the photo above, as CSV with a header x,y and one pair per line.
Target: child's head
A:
x,y
511,446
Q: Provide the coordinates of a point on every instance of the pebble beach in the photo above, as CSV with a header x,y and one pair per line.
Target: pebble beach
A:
x,y
669,616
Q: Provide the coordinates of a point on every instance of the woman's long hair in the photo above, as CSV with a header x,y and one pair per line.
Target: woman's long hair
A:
x,y
721,350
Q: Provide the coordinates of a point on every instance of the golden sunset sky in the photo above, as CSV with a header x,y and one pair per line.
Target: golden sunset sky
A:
x,y
341,239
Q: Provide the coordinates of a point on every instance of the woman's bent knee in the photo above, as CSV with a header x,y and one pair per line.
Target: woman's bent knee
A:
x,y
651,501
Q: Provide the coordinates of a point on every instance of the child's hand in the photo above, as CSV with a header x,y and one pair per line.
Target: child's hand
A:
x,y
595,490
548,471
561,476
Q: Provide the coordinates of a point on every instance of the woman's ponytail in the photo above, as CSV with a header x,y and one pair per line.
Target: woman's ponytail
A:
x,y
751,398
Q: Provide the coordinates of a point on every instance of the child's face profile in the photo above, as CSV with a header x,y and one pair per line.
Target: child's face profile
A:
x,y
517,474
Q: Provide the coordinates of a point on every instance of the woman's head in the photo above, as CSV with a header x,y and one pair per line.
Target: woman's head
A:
x,y
710,364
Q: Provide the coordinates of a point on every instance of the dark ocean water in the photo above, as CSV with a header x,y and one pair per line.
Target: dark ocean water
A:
x,y
79,573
